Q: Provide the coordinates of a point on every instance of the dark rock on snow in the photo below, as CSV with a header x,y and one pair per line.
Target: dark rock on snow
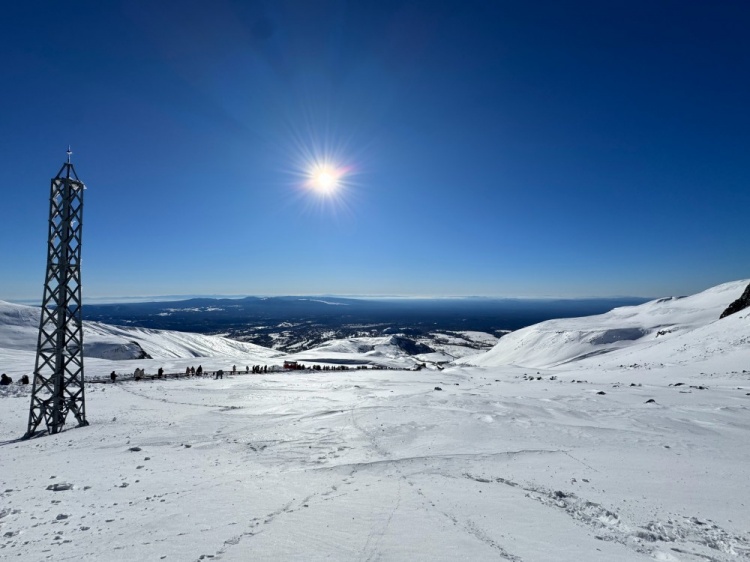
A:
x,y
740,304
60,487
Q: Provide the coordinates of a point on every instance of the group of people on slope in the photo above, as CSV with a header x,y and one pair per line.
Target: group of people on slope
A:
x,y
5,380
140,373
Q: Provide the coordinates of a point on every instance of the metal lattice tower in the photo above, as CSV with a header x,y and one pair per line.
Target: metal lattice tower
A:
x,y
58,374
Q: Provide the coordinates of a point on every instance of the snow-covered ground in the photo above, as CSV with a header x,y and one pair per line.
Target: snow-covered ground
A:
x,y
639,453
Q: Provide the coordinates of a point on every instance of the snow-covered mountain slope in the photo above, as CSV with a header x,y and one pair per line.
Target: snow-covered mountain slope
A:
x,y
100,339
19,326
387,351
449,346
670,329
398,350
720,344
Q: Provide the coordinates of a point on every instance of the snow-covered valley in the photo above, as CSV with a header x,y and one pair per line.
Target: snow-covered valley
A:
x,y
621,436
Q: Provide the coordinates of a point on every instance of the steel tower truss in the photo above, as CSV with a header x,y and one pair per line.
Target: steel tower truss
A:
x,y
58,373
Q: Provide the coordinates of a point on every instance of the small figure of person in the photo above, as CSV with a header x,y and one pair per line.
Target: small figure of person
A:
x,y
247,369
234,369
160,372
113,376
219,374
5,380
25,379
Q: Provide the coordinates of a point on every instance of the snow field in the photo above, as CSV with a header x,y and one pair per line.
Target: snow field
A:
x,y
365,464
624,437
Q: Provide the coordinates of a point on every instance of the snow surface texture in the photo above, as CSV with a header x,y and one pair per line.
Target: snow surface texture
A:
x,y
643,457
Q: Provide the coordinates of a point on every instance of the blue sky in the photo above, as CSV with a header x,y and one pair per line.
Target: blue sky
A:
x,y
486,148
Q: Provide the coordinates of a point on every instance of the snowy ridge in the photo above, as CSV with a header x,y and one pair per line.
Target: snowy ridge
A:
x,y
683,321
19,326
165,344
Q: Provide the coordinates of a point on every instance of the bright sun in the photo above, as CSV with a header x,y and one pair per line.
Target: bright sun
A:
x,y
324,179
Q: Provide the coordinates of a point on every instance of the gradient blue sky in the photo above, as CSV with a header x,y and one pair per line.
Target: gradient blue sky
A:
x,y
505,148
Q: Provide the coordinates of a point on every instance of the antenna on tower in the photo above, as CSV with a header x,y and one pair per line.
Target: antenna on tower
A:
x,y
58,373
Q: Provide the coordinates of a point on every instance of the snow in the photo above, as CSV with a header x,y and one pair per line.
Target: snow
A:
x,y
326,302
380,351
556,342
479,337
19,327
636,454
453,345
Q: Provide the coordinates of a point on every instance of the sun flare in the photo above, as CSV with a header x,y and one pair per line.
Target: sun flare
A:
x,y
325,179
323,174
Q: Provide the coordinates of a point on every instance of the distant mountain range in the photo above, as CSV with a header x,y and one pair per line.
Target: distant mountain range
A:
x,y
297,323
675,329
208,314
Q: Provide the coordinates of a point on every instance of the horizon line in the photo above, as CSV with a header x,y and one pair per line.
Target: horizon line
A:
x,y
184,297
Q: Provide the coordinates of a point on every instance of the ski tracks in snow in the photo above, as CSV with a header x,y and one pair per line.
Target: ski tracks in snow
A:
x,y
257,525
371,551
688,536
469,526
